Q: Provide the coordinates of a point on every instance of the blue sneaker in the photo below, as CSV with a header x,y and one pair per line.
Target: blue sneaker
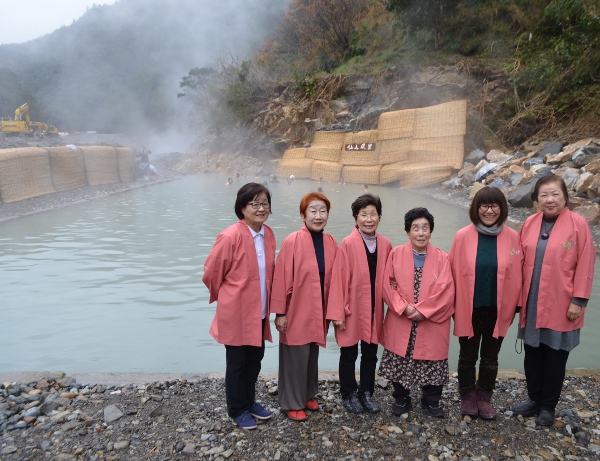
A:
x,y
260,412
245,421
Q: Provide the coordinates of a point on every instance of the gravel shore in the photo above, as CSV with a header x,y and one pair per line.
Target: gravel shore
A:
x,y
57,418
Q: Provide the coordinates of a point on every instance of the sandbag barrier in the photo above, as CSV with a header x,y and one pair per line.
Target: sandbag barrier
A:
x,y
33,171
416,147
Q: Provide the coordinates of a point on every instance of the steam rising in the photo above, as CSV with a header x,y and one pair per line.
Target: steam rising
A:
x,y
118,68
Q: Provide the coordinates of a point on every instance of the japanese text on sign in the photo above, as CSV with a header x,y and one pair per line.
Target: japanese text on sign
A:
x,y
364,146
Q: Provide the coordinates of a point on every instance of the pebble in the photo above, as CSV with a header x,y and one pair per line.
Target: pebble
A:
x,y
195,425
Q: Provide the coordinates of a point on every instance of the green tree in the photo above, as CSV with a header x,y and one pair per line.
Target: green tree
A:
x,y
430,15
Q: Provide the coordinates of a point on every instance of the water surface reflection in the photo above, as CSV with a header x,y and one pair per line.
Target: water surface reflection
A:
x,y
113,285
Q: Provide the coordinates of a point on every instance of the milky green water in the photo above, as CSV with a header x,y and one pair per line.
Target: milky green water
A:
x,y
114,285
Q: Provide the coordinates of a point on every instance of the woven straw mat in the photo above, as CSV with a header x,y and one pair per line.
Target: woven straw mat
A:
x,y
101,166
24,173
67,169
126,163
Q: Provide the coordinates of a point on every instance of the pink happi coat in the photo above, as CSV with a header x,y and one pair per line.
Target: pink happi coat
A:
x,y
297,288
567,269
463,255
435,302
350,291
233,280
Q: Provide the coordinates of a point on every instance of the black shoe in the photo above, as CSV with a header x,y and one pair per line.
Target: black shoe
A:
x,y
401,406
352,404
546,418
526,408
432,408
367,402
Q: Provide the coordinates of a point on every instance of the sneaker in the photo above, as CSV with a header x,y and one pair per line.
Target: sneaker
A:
x,y
260,412
526,408
246,421
312,405
297,415
432,408
352,403
401,406
367,403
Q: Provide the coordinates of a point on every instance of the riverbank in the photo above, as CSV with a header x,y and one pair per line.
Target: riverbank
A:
x,y
181,418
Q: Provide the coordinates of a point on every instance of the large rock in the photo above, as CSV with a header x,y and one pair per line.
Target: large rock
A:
x,y
475,156
476,188
498,157
593,167
586,155
593,190
521,196
527,164
558,159
583,183
570,177
590,211
552,147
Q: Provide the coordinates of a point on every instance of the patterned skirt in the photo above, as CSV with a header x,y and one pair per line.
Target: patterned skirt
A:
x,y
407,371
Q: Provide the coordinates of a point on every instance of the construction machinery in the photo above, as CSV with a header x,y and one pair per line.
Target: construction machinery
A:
x,y
22,125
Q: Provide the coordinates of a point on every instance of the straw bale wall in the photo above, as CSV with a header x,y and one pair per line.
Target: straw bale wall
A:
x,y
67,169
295,153
101,165
24,173
333,139
361,174
33,171
416,147
300,168
329,171
326,154
126,163
396,124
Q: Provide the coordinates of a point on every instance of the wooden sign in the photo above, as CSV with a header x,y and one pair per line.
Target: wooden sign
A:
x,y
364,146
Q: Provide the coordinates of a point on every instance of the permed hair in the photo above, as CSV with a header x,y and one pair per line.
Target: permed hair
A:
x,y
246,194
364,201
546,180
417,213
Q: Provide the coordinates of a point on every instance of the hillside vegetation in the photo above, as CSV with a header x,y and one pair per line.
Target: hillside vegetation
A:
x,y
269,72
528,67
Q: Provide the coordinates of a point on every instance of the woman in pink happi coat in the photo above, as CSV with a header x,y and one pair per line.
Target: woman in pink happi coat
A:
x,y
486,262
300,290
416,330
355,303
558,273
238,274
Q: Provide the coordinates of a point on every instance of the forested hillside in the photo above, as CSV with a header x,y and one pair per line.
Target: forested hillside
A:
x,y
264,67
117,69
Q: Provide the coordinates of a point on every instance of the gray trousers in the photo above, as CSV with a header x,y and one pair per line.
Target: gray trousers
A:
x,y
298,375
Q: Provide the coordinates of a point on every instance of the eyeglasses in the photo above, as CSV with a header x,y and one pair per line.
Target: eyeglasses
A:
x,y
494,207
257,205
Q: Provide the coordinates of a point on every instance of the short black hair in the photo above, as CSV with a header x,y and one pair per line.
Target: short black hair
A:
x,y
364,201
417,213
246,194
488,196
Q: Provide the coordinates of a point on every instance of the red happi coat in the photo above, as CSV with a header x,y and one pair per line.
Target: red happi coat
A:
x,y
435,302
297,288
233,280
350,291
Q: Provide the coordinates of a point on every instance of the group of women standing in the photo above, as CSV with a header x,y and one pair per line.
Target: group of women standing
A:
x,y
491,273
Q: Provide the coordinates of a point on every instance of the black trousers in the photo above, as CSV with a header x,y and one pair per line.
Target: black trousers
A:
x,y
431,393
484,321
368,363
241,374
545,372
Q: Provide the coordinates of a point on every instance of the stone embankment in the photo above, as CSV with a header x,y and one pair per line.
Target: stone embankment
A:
x,y
56,418
516,174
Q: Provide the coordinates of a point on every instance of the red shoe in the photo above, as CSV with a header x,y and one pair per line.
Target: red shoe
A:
x,y
312,405
297,415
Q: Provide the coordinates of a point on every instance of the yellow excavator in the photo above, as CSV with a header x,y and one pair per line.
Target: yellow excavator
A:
x,y
22,125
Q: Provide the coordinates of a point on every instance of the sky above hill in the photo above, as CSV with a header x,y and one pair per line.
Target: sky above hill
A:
x,y
24,20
